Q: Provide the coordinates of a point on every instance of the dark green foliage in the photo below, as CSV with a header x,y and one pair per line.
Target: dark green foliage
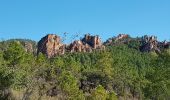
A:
x,y
159,78
14,53
22,41
118,72
135,43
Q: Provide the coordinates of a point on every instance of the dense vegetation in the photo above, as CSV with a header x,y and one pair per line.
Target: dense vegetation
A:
x,y
119,72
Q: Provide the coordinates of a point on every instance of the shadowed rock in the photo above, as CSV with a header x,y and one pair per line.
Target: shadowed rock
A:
x,y
165,44
149,44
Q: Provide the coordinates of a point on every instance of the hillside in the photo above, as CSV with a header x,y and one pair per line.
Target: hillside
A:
x,y
121,68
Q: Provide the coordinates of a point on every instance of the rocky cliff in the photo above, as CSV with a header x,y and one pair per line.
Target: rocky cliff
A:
x,y
120,39
93,41
79,46
87,44
51,45
149,43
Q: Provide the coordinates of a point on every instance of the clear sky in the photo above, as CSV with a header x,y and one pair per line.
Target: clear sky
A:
x,y
33,19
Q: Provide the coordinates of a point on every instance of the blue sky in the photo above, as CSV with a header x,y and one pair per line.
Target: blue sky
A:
x,y
33,19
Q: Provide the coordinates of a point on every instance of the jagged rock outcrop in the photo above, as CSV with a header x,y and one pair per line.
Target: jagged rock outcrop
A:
x,y
87,44
51,45
149,44
79,46
93,41
165,44
145,43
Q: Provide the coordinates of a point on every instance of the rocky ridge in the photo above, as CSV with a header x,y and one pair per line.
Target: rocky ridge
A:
x,y
51,44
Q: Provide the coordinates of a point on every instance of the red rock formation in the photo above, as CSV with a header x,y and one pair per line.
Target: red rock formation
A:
x,y
78,46
87,44
93,41
50,45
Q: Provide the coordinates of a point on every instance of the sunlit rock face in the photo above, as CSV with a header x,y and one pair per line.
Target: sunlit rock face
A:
x,y
51,45
93,41
79,46
87,44
149,43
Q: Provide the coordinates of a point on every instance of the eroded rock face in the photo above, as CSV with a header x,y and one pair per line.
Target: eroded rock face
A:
x,y
51,45
93,41
79,46
149,44
76,46
87,44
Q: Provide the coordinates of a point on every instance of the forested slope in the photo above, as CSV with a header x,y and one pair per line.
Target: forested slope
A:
x,y
118,72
